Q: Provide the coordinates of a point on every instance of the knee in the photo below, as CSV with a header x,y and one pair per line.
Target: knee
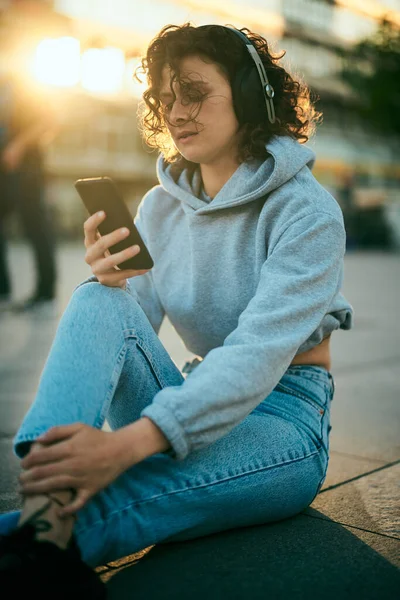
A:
x,y
97,294
92,296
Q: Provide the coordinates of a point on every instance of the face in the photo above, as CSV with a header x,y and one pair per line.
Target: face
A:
x,y
215,122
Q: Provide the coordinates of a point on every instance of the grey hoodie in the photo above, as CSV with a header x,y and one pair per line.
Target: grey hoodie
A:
x,y
248,279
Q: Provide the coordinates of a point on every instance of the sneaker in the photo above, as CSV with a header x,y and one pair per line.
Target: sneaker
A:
x,y
42,569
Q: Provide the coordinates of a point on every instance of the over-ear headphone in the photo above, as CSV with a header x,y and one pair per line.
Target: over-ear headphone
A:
x,y
247,100
244,79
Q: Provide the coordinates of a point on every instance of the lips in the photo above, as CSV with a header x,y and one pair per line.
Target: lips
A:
x,y
186,134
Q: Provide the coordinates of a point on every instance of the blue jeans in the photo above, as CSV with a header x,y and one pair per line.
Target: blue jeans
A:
x,y
107,363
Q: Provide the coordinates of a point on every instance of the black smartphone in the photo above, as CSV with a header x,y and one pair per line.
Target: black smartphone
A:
x,y
101,193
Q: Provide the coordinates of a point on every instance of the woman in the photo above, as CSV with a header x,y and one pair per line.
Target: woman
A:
x,y
248,264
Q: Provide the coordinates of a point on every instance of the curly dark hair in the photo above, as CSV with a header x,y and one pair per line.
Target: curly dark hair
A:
x,y
295,113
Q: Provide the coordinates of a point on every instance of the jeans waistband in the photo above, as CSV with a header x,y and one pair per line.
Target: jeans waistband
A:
x,y
315,371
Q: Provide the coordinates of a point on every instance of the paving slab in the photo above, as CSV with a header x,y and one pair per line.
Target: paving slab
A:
x,y
16,381
371,503
372,285
344,467
25,339
13,407
365,413
302,557
346,544
364,348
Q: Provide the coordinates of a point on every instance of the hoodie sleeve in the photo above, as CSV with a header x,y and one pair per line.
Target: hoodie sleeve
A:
x,y
297,284
142,287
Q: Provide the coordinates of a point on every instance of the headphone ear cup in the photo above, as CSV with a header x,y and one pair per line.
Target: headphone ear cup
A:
x,y
248,96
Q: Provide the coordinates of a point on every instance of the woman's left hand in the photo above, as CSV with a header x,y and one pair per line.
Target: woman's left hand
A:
x,y
77,457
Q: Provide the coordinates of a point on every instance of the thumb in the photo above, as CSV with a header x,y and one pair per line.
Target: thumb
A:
x,y
77,503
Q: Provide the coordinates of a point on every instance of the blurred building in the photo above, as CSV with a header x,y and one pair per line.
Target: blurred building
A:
x,y
87,70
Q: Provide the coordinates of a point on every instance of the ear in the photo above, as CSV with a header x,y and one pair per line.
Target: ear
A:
x,y
248,96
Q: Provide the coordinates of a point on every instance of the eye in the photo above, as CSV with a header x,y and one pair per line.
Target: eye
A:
x,y
166,107
188,96
194,96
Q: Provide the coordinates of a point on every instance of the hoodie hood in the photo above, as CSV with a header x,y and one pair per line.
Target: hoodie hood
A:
x,y
250,181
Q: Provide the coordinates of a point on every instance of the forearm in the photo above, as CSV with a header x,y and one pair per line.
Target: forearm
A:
x,y
138,441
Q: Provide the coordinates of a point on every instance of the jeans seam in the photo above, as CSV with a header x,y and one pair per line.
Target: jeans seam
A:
x,y
317,407
148,356
105,406
321,481
196,487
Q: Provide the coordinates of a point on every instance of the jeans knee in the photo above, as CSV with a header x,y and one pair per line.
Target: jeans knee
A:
x,y
92,296
94,290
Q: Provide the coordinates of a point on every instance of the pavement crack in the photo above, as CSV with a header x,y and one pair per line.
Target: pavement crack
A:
x,y
336,485
392,537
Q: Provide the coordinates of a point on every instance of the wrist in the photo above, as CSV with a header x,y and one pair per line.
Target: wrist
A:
x,y
138,441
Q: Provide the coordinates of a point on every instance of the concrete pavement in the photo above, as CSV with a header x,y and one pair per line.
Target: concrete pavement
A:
x,y
346,543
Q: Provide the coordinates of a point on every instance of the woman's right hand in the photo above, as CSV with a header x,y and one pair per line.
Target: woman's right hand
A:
x,y
101,261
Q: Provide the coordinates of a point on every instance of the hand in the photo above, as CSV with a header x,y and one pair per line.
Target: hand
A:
x,y
77,457
98,257
12,156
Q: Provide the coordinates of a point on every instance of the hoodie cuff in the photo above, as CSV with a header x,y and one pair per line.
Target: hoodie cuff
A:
x,y
171,428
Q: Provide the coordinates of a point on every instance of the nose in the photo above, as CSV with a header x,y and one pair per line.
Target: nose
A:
x,y
179,112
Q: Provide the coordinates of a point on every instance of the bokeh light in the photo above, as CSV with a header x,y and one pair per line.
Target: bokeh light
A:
x,y
57,62
103,70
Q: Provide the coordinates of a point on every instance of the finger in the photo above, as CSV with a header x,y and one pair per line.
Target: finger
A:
x,y
99,247
43,471
132,272
79,502
90,227
44,455
117,276
112,260
46,486
58,433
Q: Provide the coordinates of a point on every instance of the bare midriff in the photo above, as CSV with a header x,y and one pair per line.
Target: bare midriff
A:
x,y
319,356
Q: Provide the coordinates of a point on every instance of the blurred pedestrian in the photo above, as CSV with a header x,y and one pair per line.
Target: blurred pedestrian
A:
x,y
27,123
346,200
